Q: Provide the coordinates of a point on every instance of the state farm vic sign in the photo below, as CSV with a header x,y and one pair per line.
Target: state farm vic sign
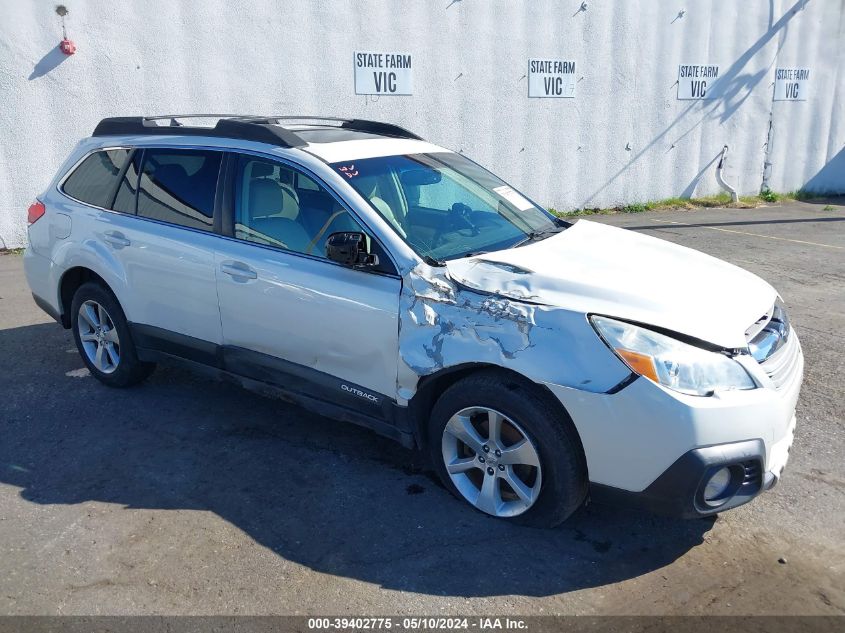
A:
x,y
792,84
551,78
695,81
383,73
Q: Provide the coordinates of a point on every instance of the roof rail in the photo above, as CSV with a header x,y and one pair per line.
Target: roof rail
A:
x,y
263,129
359,125
244,128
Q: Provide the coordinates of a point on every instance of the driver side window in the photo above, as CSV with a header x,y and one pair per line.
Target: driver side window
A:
x,y
277,205
384,192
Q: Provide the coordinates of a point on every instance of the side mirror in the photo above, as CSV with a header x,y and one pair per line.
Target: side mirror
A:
x,y
350,249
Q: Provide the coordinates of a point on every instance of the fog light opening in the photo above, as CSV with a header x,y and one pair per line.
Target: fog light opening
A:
x,y
716,487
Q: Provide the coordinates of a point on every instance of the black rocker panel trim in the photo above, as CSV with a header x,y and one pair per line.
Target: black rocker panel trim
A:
x,y
308,381
154,343
156,339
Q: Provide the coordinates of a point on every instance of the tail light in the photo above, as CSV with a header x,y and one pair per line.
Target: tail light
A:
x,y
35,211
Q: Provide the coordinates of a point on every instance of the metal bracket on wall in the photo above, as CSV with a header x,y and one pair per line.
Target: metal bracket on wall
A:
x,y
720,178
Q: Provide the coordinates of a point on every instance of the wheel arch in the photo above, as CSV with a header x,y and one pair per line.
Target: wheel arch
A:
x,y
431,386
70,282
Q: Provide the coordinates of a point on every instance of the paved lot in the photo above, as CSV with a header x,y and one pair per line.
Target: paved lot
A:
x,y
185,496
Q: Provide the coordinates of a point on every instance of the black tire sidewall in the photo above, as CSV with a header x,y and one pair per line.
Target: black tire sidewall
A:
x,y
129,370
564,484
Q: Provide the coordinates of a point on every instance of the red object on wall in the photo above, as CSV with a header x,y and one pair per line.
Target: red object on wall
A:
x,y
67,46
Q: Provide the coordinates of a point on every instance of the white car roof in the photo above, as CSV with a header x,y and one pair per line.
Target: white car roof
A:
x,y
337,151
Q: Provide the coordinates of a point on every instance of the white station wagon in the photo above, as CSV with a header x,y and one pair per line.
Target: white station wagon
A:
x,y
380,279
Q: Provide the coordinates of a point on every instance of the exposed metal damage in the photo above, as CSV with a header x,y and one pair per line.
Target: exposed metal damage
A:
x,y
445,322
440,305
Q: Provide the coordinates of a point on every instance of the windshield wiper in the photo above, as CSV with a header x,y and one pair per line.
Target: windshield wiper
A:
x,y
431,261
536,236
513,215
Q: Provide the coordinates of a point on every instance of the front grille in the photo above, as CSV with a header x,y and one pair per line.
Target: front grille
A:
x,y
783,364
774,346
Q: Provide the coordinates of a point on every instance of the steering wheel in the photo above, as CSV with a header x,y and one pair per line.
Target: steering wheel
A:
x,y
459,217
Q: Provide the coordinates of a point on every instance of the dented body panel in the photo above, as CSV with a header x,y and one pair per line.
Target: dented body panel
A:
x,y
443,324
526,308
601,269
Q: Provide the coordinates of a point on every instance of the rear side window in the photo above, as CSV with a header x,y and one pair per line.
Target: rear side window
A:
x,y
95,180
178,186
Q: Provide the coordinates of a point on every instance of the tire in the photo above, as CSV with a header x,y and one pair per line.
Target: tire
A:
x,y
120,366
551,491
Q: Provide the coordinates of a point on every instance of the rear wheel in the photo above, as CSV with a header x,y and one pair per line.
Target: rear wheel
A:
x,y
102,337
503,447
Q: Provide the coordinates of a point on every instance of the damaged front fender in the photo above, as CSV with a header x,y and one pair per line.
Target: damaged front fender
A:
x,y
444,323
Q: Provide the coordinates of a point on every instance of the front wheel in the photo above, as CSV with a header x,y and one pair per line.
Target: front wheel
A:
x,y
501,445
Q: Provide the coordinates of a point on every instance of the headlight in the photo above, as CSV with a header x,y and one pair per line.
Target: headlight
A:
x,y
670,362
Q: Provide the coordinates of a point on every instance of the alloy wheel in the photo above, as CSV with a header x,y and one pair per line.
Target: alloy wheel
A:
x,y
98,336
492,461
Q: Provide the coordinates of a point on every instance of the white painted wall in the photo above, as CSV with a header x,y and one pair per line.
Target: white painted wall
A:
x,y
470,61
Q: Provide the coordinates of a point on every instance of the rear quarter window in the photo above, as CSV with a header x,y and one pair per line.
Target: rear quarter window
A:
x,y
95,180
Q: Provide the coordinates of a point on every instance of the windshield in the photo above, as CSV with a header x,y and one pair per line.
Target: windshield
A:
x,y
446,206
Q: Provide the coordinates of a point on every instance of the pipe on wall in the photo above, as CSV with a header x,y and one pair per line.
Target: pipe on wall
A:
x,y
720,177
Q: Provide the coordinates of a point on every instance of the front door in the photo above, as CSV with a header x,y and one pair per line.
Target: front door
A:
x,y
291,316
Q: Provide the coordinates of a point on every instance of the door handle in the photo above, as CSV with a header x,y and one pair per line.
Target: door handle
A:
x,y
238,270
116,238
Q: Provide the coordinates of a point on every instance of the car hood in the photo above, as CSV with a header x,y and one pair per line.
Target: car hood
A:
x,y
595,268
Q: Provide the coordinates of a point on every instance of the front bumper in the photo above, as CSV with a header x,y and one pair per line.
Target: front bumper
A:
x,y
651,447
679,491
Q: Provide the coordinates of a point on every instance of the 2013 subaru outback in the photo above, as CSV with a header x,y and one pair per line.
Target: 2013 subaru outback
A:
x,y
380,279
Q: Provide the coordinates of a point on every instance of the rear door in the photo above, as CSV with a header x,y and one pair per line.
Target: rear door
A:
x,y
289,314
164,238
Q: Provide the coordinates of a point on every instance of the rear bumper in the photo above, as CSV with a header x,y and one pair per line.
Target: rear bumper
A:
x,y
45,305
679,491
41,276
